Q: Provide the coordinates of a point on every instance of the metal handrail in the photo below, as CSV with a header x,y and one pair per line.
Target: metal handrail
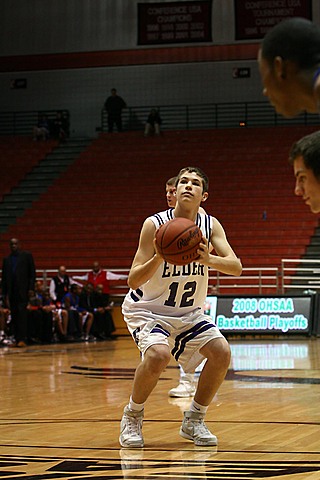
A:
x,y
22,122
175,117
275,280
297,281
209,115
224,282
220,282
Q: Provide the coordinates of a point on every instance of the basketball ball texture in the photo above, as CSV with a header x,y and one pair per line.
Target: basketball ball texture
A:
x,y
178,241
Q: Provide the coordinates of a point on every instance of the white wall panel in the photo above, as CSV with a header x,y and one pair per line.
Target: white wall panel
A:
x,y
83,91
47,26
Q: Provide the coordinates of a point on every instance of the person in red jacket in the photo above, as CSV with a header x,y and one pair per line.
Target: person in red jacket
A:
x,y
98,276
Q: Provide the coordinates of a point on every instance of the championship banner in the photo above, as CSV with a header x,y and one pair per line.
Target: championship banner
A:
x,y
174,22
254,18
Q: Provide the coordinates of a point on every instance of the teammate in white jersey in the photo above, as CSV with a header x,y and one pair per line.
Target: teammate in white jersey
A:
x,y
163,311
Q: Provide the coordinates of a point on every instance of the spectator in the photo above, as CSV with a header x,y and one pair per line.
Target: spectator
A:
x,y
4,312
70,302
60,127
42,130
59,285
58,317
103,321
153,123
18,278
114,106
34,309
4,320
86,311
98,276
47,314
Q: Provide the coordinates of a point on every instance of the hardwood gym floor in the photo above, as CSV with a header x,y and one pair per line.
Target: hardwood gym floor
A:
x,y
61,407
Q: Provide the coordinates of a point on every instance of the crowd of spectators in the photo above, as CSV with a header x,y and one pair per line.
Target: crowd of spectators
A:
x,y
65,310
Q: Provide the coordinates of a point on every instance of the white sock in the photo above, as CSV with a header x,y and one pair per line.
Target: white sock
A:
x,y
196,407
136,407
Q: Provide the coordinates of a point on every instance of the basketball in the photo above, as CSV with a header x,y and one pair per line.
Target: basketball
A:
x,y
178,241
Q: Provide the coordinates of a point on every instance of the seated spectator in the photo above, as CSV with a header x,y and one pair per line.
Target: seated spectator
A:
x,y
47,317
4,314
70,303
86,312
4,321
60,127
34,309
60,285
80,319
42,130
153,123
103,321
58,317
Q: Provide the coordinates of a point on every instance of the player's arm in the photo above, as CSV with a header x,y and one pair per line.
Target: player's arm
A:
x,y
146,260
226,260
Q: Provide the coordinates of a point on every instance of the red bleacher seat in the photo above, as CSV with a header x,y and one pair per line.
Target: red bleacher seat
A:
x,y
19,155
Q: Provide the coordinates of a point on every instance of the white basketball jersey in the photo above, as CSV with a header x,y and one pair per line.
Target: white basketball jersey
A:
x,y
173,290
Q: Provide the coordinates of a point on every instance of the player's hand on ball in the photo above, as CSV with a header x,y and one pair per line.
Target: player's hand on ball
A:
x,y
156,247
203,251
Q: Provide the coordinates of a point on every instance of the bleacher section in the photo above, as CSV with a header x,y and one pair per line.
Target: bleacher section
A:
x,y
22,122
95,210
19,155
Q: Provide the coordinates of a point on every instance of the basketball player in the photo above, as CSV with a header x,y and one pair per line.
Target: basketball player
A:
x,y
163,311
305,158
171,192
186,387
289,64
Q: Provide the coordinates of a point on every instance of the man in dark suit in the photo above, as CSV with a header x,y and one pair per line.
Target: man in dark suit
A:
x,y
18,278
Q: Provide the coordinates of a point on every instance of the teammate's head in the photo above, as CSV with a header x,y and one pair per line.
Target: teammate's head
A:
x,y
171,192
305,158
197,171
288,58
295,39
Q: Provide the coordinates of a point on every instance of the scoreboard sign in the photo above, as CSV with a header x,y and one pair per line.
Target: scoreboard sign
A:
x,y
272,315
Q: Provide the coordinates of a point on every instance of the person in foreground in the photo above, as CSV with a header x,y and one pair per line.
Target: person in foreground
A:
x,y
163,311
289,64
304,156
